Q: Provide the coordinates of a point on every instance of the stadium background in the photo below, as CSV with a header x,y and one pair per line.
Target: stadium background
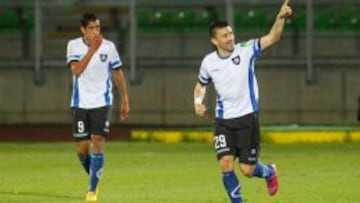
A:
x,y
310,78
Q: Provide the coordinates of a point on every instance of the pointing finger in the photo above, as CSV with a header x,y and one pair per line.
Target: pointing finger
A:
x,y
286,2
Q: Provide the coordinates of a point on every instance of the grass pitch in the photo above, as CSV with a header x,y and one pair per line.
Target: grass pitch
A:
x,y
177,173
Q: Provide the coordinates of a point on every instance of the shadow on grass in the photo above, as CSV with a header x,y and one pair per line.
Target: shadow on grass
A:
x,y
39,194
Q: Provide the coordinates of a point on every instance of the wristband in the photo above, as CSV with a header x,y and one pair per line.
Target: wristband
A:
x,y
198,100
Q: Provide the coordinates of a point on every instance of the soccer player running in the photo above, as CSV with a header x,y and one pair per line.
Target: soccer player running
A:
x,y
231,70
94,61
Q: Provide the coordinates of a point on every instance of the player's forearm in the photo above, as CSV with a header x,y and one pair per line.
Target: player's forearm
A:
x,y
277,29
199,93
78,67
274,34
120,83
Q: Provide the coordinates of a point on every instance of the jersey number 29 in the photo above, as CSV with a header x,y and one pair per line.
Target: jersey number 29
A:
x,y
220,141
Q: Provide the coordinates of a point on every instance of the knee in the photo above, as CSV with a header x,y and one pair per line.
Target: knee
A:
x,y
82,147
97,139
96,143
226,163
247,170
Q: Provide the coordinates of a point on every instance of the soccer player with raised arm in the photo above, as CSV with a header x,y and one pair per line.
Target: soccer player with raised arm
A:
x,y
94,62
231,70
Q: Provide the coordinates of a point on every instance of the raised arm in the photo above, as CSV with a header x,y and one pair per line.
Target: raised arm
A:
x,y
79,66
120,83
199,95
275,33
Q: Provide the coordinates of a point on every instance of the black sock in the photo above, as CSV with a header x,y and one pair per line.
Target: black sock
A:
x,y
85,161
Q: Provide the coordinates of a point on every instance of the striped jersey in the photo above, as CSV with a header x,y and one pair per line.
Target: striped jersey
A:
x,y
93,88
234,79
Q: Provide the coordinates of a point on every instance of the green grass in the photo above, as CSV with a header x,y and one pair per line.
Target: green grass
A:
x,y
176,173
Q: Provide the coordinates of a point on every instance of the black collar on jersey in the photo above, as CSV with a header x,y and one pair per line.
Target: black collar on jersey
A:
x,y
224,57
83,39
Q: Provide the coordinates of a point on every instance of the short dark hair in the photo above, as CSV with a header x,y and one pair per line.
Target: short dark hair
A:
x,y
215,25
86,18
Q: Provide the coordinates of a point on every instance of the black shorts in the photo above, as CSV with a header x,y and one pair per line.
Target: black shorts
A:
x,y
87,122
239,137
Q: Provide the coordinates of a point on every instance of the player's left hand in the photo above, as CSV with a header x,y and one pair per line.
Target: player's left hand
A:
x,y
285,10
125,109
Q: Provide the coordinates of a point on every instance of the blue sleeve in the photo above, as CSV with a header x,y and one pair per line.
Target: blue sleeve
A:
x,y
256,47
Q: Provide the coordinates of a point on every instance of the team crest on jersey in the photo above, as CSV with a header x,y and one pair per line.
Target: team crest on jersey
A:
x,y
103,57
236,60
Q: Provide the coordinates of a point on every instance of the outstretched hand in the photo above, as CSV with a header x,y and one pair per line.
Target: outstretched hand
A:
x,y
285,10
